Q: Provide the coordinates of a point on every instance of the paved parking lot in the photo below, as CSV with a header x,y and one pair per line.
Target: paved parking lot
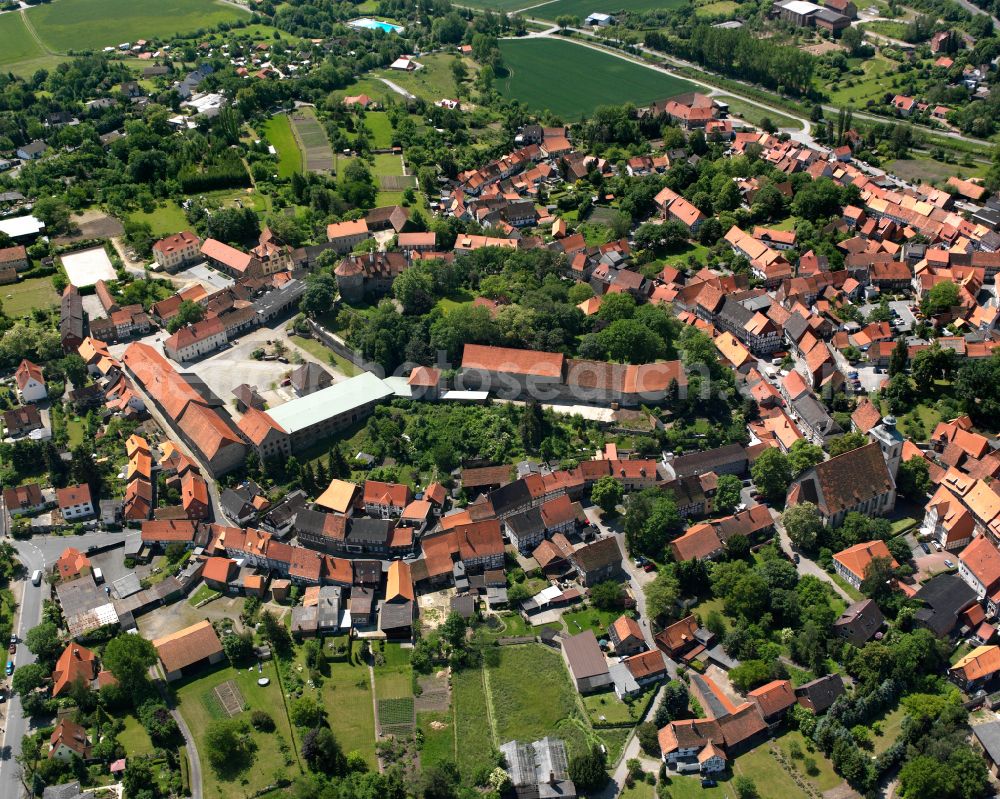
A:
x,y
929,565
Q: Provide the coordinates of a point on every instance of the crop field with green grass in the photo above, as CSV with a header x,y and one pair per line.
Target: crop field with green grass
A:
x,y
608,79
278,131
92,24
312,140
20,52
526,710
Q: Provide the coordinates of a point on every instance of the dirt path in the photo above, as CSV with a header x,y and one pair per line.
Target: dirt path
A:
x,y
34,35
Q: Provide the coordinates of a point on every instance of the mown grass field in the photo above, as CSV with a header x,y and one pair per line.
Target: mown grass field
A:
x,y
346,694
19,299
433,81
578,79
19,52
581,8
90,24
380,128
165,220
278,131
199,706
872,85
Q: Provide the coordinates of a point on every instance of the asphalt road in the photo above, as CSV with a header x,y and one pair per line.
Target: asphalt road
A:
x,y
35,553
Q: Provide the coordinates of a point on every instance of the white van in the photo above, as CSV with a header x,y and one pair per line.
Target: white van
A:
x,y
98,576
36,577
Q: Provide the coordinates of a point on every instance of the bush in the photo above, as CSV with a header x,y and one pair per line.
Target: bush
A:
x,y
262,721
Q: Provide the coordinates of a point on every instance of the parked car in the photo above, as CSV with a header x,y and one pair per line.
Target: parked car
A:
x,y
649,567
949,564
925,548
708,782
796,558
10,667
853,375
12,648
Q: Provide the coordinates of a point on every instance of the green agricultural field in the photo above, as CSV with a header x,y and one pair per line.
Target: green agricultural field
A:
x,y
499,5
199,705
91,24
578,79
278,131
20,52
165,220
581,8
20,299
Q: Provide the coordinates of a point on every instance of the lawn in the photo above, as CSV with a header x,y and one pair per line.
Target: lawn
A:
x,y
872,85
319,350
590,619
704,608
348,698
924,169
203,593
581,8
76,430
394,679
641,790
472,728
84,24
754,114
21,53
433,81
523,709
824,777
892,726
19,299
610,79
849,589
605,707
438,730
134,738
378,125
722,8
165,220
387,164
770,778
199,706
278,131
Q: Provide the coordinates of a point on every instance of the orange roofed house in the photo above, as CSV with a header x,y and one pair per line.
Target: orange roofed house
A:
x,y
853,562
76,664
978,668
386,500
185,651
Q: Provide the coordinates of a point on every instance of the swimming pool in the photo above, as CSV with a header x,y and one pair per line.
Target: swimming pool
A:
x,y
374,24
